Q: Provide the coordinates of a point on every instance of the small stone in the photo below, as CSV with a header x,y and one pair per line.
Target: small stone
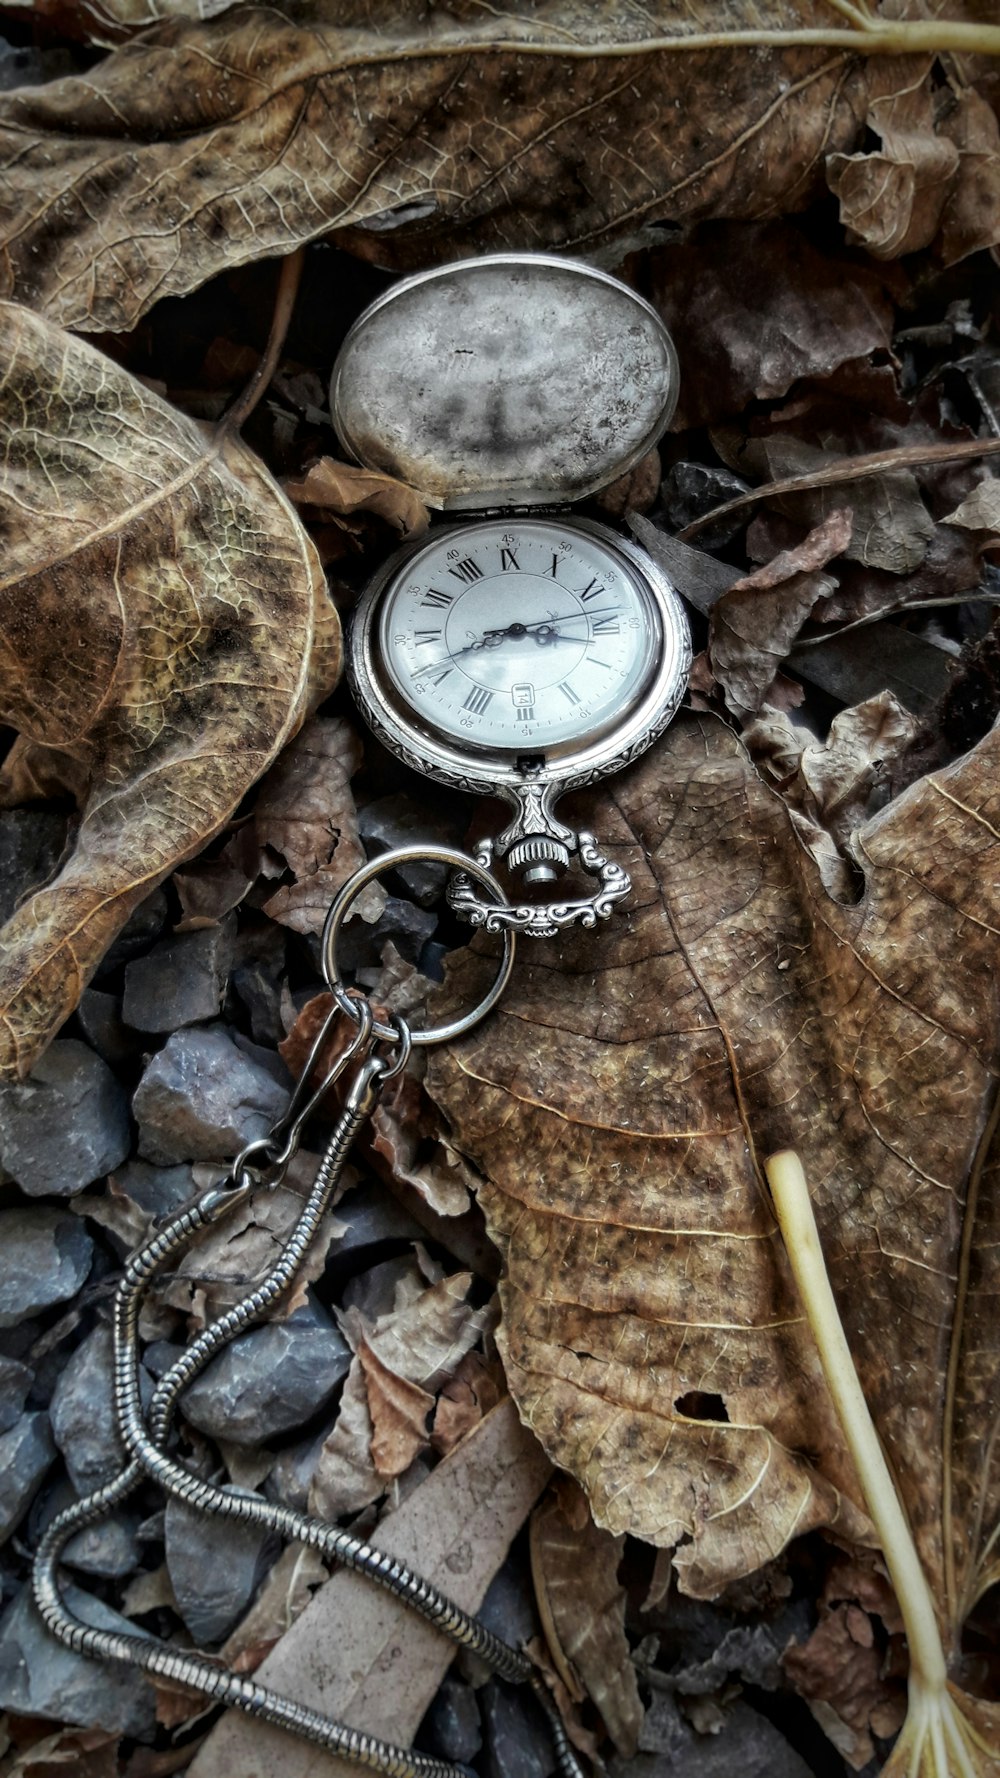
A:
x,y
109,1550
215,1567
400,821
746,1742
65,1126
181,981
157,1190
290,1476
40,1677
15,1381
271,1380
451,1729
516,1733
372,1215
100,1020
141,929
202,1099
257,978
374,1292
45,1257
360,945
26,1452
32,840
84,1424
692,489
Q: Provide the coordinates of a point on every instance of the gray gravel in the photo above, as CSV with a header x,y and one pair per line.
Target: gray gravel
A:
x,y
83,1417
65,1126
39,1677
181,981
26,1452
202,1099
271,1380
215,1568
45,1256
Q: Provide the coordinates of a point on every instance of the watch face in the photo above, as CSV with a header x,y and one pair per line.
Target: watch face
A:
x,y
519,635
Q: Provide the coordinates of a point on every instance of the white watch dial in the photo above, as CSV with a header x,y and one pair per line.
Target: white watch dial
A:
x,y
519,634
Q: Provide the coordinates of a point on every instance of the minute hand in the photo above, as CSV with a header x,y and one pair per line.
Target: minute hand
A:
x,y
545,622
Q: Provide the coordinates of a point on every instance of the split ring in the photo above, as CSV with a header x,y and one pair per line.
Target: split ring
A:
x,y
346,896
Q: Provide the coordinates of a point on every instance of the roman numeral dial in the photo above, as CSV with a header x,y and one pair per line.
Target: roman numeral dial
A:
x,y
520,635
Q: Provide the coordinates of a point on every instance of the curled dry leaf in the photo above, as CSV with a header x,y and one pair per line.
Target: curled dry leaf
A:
x,y
582,1605
305,814
980,510
401,1361
618,1109
344,488
358,1653
841,1669
213,135
753,626
165,628
826,786
753,309
935,176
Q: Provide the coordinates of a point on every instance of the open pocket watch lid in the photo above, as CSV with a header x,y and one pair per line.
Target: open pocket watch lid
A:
x,y
512,381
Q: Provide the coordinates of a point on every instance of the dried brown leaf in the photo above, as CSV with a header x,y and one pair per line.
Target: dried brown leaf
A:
x,y
827,786
165,628
475,1387
618,1108
980,511
842,1670
753,627
356,1652
305,814
205,143
892,527
582,1605
400,1411
935,177
344,488
753,309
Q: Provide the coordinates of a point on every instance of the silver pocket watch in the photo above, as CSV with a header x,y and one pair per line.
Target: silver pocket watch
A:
x,y
515,651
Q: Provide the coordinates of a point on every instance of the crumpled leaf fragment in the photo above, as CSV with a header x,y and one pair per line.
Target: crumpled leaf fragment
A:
x,y
755,307
936,174
165,628
980,510
827,785
841,1669
575,1565
409,1353
335,488
753,626
202,144
304,813
618,1108
892,526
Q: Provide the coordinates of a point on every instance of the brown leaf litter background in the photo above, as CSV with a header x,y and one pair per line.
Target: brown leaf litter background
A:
x,y
619,1105
791,970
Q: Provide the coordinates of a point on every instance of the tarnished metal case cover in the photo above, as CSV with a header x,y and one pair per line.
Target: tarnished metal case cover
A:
x,y
507,382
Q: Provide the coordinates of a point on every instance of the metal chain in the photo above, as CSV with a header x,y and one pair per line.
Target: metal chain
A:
x,y
148,1457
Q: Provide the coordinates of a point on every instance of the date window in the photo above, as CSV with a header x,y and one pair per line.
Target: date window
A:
x,y
523,696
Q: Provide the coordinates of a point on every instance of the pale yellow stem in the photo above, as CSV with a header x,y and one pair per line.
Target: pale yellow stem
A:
x,y
801,1237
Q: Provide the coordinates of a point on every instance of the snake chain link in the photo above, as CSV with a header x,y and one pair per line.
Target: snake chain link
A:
x,y
149,1458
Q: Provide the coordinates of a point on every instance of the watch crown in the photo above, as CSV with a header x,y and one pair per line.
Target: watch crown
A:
x,y
539,859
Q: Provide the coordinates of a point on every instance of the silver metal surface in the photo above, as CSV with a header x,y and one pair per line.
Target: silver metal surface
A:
x,y
530,784
342,903
543,919
510,381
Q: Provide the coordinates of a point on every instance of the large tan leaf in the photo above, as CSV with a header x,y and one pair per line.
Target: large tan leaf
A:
x,y
429,131
620,1105
164,627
